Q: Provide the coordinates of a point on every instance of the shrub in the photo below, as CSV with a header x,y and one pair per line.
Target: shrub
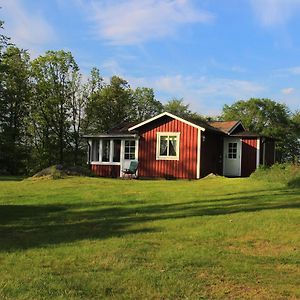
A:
x,y
287,174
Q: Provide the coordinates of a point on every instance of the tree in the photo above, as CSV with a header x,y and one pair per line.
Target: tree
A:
x,y
110,105
80,97
55,75
145,105
14,101
266,117
177,107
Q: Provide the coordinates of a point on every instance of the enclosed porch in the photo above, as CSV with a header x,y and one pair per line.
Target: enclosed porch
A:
x,y
108,155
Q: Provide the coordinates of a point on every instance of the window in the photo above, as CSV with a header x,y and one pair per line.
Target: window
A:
x,y
95,150
232,150
129,152
117,150
167,145
105,150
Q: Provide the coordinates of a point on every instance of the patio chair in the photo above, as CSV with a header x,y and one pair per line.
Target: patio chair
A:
x,y
131,170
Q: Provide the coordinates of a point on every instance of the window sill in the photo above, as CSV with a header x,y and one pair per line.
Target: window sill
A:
x,y
105,163
167,158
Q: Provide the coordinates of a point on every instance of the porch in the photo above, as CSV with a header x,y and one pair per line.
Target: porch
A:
x,y
108,155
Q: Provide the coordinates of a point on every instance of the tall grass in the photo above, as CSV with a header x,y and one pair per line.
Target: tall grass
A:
x,y
287,174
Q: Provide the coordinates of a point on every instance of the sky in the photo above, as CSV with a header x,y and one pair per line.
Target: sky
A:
x,y
208,52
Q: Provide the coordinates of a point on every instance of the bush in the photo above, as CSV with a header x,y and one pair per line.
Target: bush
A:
x,y
287,174
59,172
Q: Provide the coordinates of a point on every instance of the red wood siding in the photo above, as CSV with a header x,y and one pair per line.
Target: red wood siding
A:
x,y
106,170
185,167
249,147
211,154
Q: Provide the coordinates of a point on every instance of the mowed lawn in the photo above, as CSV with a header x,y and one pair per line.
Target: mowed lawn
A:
x,y
92,238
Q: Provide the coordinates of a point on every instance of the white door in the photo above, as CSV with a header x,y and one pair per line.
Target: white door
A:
x,y
232,157
129,152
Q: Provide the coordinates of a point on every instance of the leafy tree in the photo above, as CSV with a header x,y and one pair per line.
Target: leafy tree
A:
x,y
55,74
145,105
269,118
110,105
80,97
14,101
177,107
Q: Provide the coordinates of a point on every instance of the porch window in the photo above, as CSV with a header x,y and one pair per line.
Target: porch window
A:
x,y
129,151
95,150
232,150
167,147
117,150
105,150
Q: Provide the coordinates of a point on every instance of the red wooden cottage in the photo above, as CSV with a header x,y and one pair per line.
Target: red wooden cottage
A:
x,y
168,146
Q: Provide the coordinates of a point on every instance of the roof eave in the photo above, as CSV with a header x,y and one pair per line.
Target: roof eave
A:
x,y
120,135
162,115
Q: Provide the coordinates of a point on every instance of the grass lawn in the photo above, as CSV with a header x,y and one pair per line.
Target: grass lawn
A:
x,y
92,238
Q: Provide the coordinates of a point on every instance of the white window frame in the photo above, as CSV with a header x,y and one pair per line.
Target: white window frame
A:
x,y
164,157
232,153
110,162
135,149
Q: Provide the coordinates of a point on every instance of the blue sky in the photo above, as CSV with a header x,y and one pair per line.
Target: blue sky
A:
x,y
208,52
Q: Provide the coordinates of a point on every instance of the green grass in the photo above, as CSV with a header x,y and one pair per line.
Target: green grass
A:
x,y
91,238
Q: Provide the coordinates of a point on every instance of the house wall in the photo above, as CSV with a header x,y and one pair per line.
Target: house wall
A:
x,y
269,153
185,167
249,156
211,154
106,170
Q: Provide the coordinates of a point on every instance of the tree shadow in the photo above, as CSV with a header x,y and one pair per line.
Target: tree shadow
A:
x,y
29,226
12,178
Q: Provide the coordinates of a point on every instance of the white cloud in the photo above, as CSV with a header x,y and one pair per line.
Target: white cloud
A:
x,y
294,70
275,12
112,67
206,95
28,30
135,21
288,91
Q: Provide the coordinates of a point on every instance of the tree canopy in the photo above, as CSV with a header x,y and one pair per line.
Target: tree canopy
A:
x,y
270,118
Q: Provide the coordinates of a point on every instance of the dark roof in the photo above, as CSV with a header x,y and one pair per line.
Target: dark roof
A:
x,y
224,126
251,135
122,128
204,124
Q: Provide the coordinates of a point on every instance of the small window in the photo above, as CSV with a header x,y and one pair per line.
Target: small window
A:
x,y
167,146
232,150
105,150
129,152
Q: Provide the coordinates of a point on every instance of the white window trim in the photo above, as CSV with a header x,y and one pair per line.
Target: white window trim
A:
x,y
111,152
163,157
135,149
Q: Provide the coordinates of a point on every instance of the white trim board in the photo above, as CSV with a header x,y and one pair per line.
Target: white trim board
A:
x,y
235,126
168,115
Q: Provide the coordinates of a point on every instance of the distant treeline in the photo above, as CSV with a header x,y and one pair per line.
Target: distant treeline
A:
x,y
46,106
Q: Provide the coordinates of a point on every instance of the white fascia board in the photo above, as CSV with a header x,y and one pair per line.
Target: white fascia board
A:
x,y
235,126
111,136
169,115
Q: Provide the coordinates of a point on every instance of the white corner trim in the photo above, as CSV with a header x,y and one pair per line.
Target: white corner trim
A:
x,y
257,153
169,115
198,153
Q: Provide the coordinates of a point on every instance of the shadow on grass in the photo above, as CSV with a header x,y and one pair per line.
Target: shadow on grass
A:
x,y
294,183
12,178
28,226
